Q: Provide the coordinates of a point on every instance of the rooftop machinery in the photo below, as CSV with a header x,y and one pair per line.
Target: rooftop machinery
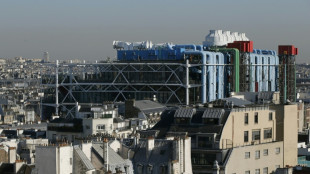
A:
x,y
225,63
173,74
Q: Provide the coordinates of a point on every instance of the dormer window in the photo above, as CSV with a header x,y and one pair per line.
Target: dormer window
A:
x,y
140,169
149,169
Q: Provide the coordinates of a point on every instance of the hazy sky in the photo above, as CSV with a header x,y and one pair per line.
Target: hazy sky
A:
x,y
81,29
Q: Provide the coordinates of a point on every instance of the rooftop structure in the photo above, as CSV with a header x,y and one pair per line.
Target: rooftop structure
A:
x,y
174,74
226,135
222,38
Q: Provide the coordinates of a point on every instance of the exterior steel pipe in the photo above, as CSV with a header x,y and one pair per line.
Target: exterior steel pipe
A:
x,y
186,46
203,73
236,58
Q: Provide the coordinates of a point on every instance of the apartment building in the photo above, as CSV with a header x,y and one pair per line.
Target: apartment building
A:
x,y
236,136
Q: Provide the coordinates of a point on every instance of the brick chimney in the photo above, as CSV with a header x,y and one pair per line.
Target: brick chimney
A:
x,y
12,154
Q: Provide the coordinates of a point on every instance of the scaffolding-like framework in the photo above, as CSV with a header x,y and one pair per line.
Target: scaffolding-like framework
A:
x,y
258,75
244,70
67,85
183,82
287,79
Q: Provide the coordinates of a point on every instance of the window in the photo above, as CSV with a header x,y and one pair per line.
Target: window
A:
x,y
265,152
64,138
87,127
70,161
247,155
54,137
257,171
270,115
265,170
277,150
246,118
101,127
163,169
247,172
255,135
205,142
246,136
257,154
140,169
256,117
267,133
149,169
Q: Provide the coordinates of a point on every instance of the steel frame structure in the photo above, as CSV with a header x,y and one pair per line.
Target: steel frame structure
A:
x,y
287,80
172,83
66,85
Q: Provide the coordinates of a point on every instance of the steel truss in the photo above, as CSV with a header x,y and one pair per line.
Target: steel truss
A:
x,y
96,83
287,79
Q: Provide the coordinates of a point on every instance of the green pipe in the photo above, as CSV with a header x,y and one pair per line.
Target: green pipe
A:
x,y
235,53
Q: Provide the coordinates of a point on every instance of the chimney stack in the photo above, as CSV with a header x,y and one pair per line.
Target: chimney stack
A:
x,y
106,153
149,146
12,154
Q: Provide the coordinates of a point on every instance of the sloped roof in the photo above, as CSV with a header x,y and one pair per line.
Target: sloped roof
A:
x,y
184,113
213,113
83,158
167,124
232,100
26,169
114,158
161,152
118,120
145,105
266,95
6,168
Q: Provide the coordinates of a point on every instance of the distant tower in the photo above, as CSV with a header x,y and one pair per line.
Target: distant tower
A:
x,y
46,57
287,72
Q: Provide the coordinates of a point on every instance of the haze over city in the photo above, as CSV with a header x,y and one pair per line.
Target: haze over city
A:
x,y
85,29
154,87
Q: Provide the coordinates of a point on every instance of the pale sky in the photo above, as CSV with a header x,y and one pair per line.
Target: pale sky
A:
x,y
81,29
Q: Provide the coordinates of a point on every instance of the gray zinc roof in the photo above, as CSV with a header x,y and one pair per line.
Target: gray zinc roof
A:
x,y
266,95
235,101
114,158
184,113
118,120
148,105
213,113
161,152
83,157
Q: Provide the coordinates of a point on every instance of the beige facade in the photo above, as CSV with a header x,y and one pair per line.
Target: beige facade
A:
x,y
252,132
248,126
286,116
307,117
300,116
261,157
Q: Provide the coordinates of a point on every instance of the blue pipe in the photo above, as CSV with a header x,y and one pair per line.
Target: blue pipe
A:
x,y
199,47
186,46
170,46
203,74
